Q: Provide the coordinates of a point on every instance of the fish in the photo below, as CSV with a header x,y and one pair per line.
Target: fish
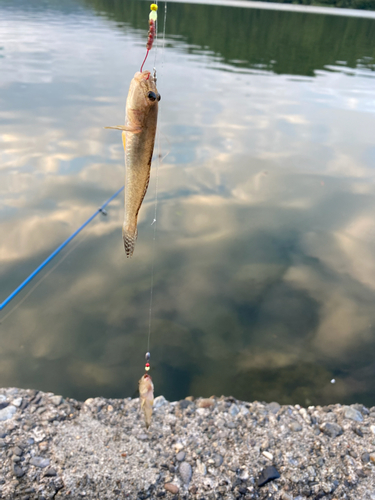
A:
x,y
138,137
146,396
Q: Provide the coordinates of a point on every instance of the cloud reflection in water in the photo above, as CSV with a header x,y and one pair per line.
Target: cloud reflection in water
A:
x,y
264,259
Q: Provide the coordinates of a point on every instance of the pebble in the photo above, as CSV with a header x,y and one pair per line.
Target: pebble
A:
x,y
172,488
18,471
286,496
43,446
56,400
358,431
205,403
274,407
218,460
311,471
3,405
184,404
295,427
244,410
244,475
178,446
185,472
353,414
159,401
372,428
17,451
231,425
180,456
268,455
361,408
234,467
267,474
234,410
265,445
372,457
365,457
305,415
51,472
201,468
39,462
17,402
8,412
331,429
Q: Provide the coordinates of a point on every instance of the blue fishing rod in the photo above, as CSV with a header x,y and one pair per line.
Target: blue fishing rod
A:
x,y
53,254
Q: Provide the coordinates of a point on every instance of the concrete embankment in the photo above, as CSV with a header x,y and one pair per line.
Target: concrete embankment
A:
x,y
55,447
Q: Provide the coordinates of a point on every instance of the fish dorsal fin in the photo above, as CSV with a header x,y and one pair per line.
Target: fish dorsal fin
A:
x,y
126,128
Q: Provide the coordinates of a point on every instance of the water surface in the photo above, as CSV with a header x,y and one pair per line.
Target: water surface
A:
x,y
264,279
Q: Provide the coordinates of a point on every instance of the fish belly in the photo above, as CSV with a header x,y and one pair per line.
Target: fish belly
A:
x,y
138,155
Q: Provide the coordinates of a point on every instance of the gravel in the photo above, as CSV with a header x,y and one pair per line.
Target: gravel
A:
x,y
217,448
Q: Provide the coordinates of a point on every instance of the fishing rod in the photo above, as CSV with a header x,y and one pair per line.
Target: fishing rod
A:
x,y
58,249
146,387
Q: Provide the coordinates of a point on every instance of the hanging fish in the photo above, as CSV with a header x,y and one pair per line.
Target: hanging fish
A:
x,y
146,396
138,136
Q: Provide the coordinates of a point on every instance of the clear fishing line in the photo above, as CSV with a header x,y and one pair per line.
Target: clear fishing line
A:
x,y
154,222
156,36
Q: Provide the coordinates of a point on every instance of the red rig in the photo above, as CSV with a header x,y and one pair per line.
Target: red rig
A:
x,y
151,30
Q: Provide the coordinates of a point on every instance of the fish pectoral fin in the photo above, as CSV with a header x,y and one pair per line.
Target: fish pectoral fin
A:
x,y
127,128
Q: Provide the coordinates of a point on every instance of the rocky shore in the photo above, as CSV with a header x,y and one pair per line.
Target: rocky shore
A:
x,y
217,448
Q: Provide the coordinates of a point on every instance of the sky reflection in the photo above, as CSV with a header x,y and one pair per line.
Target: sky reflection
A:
x,y
264,259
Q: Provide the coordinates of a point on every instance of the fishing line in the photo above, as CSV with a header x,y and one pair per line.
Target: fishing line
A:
x,y
152,31
154,222
156,36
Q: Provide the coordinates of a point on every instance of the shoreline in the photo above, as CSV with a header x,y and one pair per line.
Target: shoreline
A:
x,y
287,7
217,448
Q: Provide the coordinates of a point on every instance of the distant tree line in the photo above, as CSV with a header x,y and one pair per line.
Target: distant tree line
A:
x,y
291,43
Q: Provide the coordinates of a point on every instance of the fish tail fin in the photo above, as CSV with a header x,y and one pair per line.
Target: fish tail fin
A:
x,y
129,235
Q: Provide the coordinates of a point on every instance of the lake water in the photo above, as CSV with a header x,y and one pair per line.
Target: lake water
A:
x,y
264,262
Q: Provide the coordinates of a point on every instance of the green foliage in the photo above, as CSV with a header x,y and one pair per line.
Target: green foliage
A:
x,y
283,42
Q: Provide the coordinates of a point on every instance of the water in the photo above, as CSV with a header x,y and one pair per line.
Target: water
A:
x,y
264,280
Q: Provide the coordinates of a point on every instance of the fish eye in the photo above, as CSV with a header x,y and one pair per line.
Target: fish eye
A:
x,y
152,96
